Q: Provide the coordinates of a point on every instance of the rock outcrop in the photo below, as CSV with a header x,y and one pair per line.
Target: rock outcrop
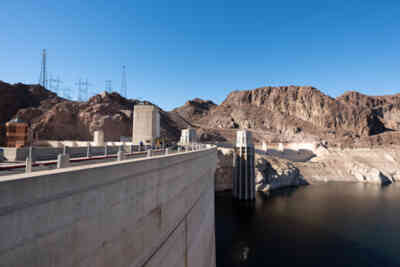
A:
x,y
274,173
377,165
194,110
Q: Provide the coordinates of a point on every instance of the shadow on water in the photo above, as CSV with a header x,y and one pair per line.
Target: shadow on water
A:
x,y
317,225
243,210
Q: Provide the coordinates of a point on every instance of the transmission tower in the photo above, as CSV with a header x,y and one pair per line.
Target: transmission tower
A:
x,y
43,71
124,84
108,87
54,84
82,90
86,85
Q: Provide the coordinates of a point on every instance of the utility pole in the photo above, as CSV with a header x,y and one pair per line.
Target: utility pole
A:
x,y
43,70
124,84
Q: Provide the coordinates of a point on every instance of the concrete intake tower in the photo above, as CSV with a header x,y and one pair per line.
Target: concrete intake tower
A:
x,y
243,167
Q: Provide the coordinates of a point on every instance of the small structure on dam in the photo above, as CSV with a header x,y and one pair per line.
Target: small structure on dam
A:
x,y
188,136
244,187
146,125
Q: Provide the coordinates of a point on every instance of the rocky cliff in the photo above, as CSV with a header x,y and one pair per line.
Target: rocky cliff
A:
x,y
194,110
299,113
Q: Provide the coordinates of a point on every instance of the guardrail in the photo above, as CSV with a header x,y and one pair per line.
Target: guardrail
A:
x,y
63,160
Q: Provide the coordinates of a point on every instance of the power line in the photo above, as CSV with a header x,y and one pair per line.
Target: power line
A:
x,y
54,84
67,93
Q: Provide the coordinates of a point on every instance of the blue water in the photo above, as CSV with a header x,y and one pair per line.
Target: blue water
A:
x,y
336,224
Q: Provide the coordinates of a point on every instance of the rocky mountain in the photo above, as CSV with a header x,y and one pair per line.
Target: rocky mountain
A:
x,y
54,118
294,113
196,109
17,96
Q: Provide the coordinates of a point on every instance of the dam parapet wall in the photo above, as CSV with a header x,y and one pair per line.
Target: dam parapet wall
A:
x,y
156,211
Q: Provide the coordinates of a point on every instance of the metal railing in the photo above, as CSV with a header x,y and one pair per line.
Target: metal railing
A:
x,y
124,152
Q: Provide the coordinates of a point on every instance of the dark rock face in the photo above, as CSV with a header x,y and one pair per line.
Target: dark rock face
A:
x,y
195,109
386,108
209,135
54,118
18,96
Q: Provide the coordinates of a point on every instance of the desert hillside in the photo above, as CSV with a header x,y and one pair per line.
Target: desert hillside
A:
x,y
53,118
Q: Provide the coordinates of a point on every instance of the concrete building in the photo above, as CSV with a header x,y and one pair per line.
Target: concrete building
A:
x,y
16,133
98,138
188,136
146,125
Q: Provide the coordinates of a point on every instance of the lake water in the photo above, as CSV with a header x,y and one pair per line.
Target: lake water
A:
x,y
335,224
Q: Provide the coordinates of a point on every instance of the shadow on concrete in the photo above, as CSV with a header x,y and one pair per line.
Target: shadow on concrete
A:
x,y
2,158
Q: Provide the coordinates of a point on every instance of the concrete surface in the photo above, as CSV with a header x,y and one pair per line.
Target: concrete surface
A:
x,y
146,124
155,211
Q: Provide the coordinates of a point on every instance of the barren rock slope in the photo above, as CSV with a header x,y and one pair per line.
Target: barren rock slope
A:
x,y
54,118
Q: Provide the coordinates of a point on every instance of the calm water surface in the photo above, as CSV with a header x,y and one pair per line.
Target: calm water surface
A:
x,y
318,225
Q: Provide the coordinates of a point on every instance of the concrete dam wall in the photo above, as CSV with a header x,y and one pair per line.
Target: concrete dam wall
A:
x,y
157,211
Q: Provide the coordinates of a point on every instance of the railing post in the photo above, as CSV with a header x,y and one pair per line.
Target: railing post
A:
x,y
166,151
105,150
120,154
31,155
88,150
63,161
28,165
149,153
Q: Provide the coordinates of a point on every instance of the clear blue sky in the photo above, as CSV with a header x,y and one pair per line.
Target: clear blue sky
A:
x,y
178,50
